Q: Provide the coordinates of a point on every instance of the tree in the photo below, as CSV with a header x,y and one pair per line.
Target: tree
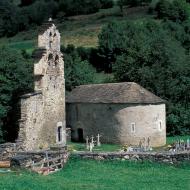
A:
x,y
9,18
40,11
77,71
176,10
115,37
15,80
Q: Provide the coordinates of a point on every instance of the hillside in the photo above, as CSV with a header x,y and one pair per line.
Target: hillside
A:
x,y
80,30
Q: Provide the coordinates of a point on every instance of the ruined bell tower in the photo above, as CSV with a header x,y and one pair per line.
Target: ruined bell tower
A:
x,y
42,121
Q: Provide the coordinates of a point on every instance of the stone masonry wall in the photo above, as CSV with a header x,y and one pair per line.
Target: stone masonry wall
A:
x,y
7,150
162,157
26,159
113,122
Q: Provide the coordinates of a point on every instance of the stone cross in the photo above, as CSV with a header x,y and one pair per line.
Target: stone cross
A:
x,y
87,143
91,147
98,140
92,141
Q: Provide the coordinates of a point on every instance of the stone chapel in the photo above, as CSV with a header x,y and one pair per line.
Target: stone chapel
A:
x,y
124,113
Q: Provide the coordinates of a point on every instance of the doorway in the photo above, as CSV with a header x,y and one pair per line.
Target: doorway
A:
x,y
80,135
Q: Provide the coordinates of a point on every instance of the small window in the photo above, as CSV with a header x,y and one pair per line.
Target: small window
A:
x,y
133,126
50,57
160,125
60,133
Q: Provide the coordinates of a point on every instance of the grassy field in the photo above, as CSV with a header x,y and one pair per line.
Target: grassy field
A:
x,y
103,175
104,147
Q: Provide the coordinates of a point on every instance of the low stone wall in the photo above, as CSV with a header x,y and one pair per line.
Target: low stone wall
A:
x,y
7,150
164,157
26,159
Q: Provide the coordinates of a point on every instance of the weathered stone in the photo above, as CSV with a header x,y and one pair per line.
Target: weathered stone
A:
x,y
165,157
21,161
114,122
126,157
27,159
7,151
99,158
42,121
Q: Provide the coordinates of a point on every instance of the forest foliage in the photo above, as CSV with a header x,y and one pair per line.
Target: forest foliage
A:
x,y
15,18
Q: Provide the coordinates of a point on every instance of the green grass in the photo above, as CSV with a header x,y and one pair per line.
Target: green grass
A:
x,y
103,175
29,45
103,147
